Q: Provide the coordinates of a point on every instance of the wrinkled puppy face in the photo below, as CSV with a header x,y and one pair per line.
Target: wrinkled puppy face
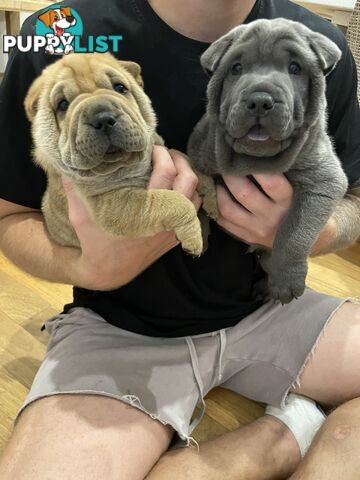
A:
x,y
265,94
263,83
90,115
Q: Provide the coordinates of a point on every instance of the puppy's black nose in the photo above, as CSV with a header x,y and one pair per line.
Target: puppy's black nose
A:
x,y
259,104
70,19
104,121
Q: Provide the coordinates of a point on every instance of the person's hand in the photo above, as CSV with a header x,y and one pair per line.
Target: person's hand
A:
x,y
105,262
255,216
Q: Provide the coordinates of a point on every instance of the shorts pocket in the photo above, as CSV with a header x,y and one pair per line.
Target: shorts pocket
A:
x,y
61,325
57,323
52,323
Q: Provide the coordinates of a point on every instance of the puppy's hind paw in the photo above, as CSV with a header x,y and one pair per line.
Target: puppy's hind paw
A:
x,y
285,292
209,204
207,191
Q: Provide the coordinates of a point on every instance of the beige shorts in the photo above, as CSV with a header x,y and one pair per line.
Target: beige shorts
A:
x,y
261,358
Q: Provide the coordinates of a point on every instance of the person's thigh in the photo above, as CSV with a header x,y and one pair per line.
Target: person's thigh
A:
x,y
266,352
332,374
90,437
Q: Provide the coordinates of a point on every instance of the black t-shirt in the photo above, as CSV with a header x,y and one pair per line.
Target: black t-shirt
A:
x,y
178,295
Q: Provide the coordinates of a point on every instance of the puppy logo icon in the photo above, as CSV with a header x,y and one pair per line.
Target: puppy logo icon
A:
x,y
59,25
58,20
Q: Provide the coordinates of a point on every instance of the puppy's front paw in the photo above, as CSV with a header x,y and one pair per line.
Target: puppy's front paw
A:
x,y
190,237
287,284
194,247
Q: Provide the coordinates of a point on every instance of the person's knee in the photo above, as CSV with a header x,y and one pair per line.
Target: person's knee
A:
x,y
342,423
76,436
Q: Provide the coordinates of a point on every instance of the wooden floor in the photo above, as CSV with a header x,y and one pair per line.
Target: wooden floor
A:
x,y
26,302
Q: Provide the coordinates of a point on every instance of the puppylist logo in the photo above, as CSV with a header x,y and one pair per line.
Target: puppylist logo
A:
x,y
59,31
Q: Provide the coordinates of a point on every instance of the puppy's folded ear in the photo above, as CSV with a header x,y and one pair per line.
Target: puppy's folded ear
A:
x,y
134,69
211,58
326,50
32,97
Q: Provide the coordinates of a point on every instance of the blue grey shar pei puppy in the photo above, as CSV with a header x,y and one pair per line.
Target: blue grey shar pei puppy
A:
x,y
266,113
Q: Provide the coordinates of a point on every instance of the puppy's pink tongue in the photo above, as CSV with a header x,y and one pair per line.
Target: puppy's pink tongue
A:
x,y
258,134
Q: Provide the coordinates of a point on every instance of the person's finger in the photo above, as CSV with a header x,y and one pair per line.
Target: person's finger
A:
x,y
186,180
232,211
164,170
249,195
277,187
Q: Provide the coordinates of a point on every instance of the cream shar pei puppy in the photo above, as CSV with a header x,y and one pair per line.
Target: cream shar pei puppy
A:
x,y
92,122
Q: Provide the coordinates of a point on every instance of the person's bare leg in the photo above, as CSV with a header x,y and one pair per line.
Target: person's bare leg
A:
x,y
331,377
335,451
263,450
82,437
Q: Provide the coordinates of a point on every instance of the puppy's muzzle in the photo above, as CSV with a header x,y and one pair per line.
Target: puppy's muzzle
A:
x,y
259,104
103,130
104,122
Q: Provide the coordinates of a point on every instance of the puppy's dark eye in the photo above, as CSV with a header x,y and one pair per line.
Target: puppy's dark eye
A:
x,y
236,69
63,105
120,88
294,68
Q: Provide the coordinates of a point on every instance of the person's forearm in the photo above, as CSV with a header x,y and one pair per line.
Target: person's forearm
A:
x,y
343,228
24,240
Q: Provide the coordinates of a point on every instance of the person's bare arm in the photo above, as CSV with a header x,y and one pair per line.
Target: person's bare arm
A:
x,y
343,228
24,240
104,262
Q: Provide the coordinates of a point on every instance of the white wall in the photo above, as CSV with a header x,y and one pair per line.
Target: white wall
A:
x,y
333,3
